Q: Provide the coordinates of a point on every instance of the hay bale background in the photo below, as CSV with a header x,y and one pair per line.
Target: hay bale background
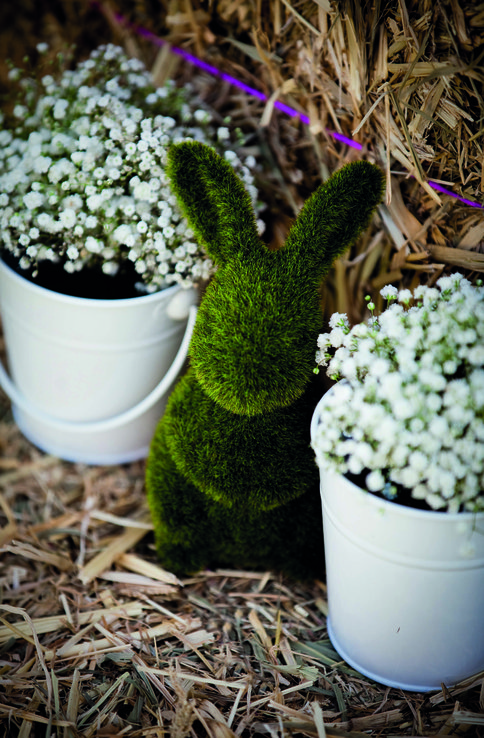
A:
x,y
403,79
97,640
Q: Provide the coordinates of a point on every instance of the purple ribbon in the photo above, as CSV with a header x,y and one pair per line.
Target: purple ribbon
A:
x,y
214,71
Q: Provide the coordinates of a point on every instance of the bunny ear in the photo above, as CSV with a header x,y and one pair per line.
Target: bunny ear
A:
x,y
334,216
213,199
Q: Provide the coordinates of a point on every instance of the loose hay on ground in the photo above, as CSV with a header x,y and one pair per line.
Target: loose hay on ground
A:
x,y
96,639
122,647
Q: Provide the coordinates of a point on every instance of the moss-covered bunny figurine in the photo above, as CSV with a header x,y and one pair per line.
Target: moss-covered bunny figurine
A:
x,y
231,478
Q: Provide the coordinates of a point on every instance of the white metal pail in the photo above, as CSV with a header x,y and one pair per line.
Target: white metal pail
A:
x,y
405,586
89,378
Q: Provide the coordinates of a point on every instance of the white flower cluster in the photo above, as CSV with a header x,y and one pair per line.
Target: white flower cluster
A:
x,y
409,413
82,173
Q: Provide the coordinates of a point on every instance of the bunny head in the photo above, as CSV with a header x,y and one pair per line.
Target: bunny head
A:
x,y
254,341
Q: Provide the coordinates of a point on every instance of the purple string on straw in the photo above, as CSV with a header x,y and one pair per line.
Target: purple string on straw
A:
x,y
236,82
439,188
260,95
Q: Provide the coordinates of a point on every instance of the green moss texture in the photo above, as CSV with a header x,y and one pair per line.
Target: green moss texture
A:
x,y
231,478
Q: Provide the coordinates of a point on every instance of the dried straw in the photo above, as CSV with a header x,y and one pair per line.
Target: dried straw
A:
x,y
96,639
403,79
110,644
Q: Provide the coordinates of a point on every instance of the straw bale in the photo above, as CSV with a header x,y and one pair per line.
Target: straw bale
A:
x,y
405,81
96,639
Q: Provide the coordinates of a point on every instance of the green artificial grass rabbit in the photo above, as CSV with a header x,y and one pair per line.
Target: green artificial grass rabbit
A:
x,y
231,478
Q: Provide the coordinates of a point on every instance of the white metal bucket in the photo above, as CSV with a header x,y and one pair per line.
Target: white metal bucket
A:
x,y
89,378
405,587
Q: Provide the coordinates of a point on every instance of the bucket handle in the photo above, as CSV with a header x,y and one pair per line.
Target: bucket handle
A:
x,y
115,421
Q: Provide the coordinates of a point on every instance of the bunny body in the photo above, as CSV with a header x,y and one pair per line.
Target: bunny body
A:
x,y
231,478
233,492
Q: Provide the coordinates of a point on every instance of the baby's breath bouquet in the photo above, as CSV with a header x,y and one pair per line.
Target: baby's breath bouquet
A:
x,y
407,421
82,173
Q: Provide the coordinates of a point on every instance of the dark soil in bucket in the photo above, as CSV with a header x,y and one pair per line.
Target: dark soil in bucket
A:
x,y
90,283
402,497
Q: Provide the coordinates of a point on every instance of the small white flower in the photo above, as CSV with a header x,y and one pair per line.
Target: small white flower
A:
x,y
447,483
201,116
449,367
223,134
190,247
380,367
46,222
91,221
432,380
20,111
163,220
375,481
435,501
389,292
338,320
409,477
418,461
355,465
142,191
14,74
445,283
68,218
404,296
439,427
337,337
121,233
475,356
402,408
364,452
110,267
60,109
94,202
33,200
93,245
180,252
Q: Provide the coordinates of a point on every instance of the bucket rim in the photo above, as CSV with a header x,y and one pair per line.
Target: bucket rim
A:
x,y
95,302
459,517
